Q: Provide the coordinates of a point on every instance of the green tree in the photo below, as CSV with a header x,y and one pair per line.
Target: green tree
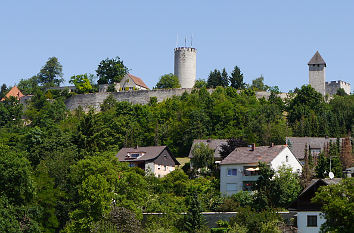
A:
x,y
10,111
168,81
337,206
16,182
200,83
258,84
51,73
236,79
224,78
203,156
28,86
231,145
276,189
111,71
341,92
3,91
194,219
217,78
81,82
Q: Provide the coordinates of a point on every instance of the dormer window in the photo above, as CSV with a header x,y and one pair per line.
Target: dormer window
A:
x,y
134,155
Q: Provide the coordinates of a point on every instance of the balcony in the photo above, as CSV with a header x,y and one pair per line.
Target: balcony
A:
x,y
250,178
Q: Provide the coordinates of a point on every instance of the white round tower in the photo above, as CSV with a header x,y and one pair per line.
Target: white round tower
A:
x,y
186,66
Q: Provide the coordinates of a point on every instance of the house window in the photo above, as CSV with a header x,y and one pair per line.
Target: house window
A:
x,y
135,155
232,172
312,220
131,165
248,185
231,187
287,158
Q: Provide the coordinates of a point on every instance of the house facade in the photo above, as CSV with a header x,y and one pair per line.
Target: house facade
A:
x,y
130,82
239,171
155,159
308,215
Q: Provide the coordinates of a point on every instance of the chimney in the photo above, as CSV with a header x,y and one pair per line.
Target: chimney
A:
x,y
253,146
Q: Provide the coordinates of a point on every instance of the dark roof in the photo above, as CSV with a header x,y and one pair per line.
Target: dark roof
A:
x,y
326,181
214,144
242,155
138,81
303,201
317,60
150,153
297,144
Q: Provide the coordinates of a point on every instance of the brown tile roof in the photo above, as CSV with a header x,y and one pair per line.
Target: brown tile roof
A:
x,y
138,81
317,60
14,92
214,144
243,155
150,153
297,144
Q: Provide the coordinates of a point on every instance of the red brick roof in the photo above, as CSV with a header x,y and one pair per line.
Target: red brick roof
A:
x,y
14,92
138,81
244,155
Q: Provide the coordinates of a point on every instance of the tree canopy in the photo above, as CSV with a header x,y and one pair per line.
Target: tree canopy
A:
x,y
168,81
111,71
51,73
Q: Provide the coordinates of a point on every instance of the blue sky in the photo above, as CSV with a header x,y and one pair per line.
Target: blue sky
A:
x,y
272,38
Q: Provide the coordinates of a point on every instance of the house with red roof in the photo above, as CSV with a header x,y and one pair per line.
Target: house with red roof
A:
x,y
15,92
130,82
239,171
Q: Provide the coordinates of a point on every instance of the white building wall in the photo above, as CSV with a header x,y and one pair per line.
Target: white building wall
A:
x,y
149,167
186,66
281,159
236,180
162,170
302,222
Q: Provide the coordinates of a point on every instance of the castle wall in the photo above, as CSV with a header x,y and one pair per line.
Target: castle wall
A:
x,y
135,97
333,86
317,77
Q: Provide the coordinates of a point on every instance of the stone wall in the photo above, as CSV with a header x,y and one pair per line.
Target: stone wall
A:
x,y
333,86
212,217
135,97
317,77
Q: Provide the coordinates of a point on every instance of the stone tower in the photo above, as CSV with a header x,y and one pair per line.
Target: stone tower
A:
x,y
186,66
317,73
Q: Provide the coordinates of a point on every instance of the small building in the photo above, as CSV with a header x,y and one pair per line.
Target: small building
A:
x,y
214,144
315,145
308,214
131,82
15,92
156,159
239,171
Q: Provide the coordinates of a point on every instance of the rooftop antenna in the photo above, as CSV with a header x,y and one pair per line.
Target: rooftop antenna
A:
x,y
185,41
177,41
191,40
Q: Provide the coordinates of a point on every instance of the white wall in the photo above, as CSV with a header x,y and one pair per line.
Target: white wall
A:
x,y
280,160
225,179
302,222
162,170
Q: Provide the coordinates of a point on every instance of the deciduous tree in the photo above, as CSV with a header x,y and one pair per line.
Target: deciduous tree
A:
x,y
168,81
111,71
51,73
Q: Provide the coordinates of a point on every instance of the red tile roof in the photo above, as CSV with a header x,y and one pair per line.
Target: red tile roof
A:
x,y
244,155
14,92
138,81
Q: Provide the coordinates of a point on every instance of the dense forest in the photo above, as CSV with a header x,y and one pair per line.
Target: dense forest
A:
x,y
58,170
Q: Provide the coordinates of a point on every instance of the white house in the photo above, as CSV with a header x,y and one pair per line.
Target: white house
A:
x,y
239,170
130,82
309,217
156,159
